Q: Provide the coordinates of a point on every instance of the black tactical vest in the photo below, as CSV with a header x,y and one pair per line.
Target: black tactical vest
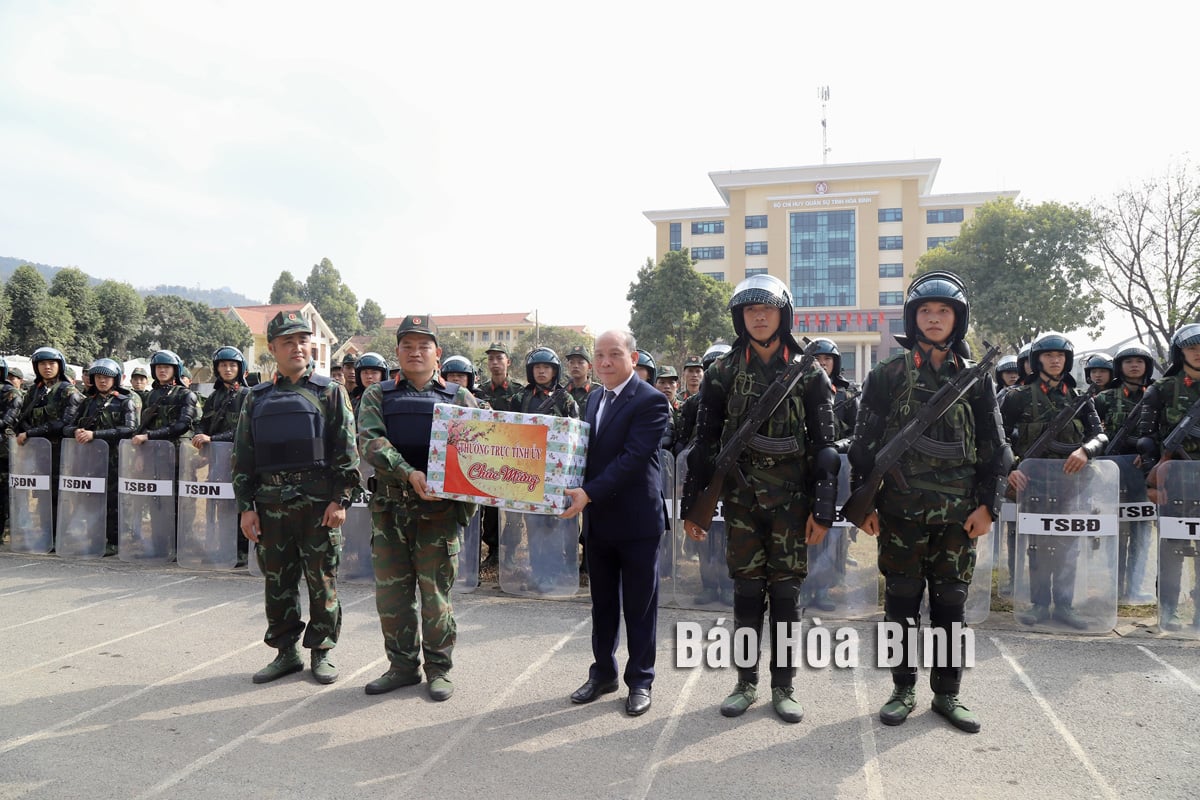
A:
x,y
408,417
289,431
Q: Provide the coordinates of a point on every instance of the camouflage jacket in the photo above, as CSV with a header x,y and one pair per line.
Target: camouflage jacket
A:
x,y
1028,408
219,417
337,480
685,423
1167,401
46,411
10,407
1113,407
961,459
532,397
109,417
780,467
846,396
501,397
581,394
169,412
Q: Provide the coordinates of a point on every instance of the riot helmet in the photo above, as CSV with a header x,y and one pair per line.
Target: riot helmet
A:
x,y
1006,364
461,365
766,290
371,361
49,354
714,352
828,347
1023,358
944,287
1134,351
542,355
106,366
1048,341
166,357
1186,336
1099,361
228,353
646,361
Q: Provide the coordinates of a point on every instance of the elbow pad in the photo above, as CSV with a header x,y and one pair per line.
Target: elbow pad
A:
x,y
827,465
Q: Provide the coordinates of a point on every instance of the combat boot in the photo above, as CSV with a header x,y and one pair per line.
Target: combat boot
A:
x,y
1168,618
322,668
1034,615
959,715
1069,616
440,688
786,706
392,679
286,662
899,705
742,697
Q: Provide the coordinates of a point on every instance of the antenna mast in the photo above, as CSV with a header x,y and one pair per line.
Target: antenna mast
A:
x,y
823,96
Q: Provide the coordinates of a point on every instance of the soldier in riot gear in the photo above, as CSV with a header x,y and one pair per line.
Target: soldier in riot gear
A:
x,y
943,494
687,411
370,368
1008,373
791,472
10,407
499,391
219,418
1167,403
460,370
581,385
110,414
1098,369
49,406
542,369
295,472
1026,410
647,370
170,411
416,539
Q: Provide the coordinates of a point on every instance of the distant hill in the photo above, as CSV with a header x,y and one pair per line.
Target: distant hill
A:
x,y
216,298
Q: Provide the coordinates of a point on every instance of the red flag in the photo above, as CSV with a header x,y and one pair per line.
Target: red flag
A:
x,y
880,321
796,320
827,319
860,319
808,322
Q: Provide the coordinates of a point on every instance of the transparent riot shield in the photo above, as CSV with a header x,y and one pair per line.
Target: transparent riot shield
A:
x,y
843,576
468,556
699,571
979,596
146,501
1005,547
1137,558
30,500
355,563
207,509
82,499
666,545
1179,548
1066,566
539,554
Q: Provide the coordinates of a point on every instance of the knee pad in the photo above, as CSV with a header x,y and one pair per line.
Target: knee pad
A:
x,y
948,595
902,587
750,587
787,589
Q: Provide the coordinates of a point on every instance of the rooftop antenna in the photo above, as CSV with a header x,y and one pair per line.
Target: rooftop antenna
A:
x,y
823,96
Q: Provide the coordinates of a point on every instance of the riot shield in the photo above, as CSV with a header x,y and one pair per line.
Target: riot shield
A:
x,y
1005,549
30,500
468,556
699,570
82,499
1179,547
1066,566
1137,559
979,596
146,501
843,576
539,554
666,464
355,563
207,510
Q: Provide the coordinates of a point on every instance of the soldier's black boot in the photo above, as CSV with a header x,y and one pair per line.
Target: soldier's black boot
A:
x,y
749,607
785,648
286,662
947,605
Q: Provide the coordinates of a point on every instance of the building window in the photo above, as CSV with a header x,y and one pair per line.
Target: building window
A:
x,y
891,215
716,226
937,241
756,248
708,253
891,270
756,221
676,236
751,271
895,326
891,298
891,242
934,216
822,258
716,276
849,361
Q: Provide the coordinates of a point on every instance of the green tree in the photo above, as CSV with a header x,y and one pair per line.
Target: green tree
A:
x,y
287,289
122,311
370,316
337,304
27,298
74,288
560,340
5,316
1026,269
677,311
192,330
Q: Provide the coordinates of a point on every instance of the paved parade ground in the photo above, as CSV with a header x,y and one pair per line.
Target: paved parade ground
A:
x,y
129,681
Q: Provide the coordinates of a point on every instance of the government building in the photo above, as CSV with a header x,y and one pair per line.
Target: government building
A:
x,y
845,238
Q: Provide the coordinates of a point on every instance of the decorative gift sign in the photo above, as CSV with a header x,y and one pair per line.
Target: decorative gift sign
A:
x,y
521,462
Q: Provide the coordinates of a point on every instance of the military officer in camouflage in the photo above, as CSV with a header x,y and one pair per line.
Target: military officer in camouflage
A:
x,y
499,391
17,378
139,379
581,385
295,472
791,469
667,382
349,376
687,410
416,536
693,374
945,493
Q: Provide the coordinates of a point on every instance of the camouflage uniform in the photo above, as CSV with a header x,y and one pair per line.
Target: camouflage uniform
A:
x,y
290,482
10,407
500,397
415,543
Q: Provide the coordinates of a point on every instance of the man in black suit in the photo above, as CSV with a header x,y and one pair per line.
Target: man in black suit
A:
x,y
625,518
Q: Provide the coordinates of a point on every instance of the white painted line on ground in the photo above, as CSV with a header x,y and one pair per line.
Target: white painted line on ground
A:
x,y
1072,743
664,738
33,588
409,788
1175,671
172,621
19,566
97,603
867,737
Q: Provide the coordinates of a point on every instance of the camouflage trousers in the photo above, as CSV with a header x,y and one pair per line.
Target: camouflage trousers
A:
x,y
292,542
913,549
766,542
414,551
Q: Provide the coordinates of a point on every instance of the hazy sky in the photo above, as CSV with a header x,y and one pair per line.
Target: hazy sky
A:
x,y
479,157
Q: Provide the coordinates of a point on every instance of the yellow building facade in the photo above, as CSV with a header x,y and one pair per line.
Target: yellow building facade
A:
x,y
845,238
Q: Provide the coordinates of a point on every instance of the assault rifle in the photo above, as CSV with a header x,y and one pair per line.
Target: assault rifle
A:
x,y
1060,421
705,506
547,405
862,500
1173,444
1114,444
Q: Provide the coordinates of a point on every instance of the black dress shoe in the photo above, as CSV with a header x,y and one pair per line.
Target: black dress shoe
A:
x,y
638,702
592,689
